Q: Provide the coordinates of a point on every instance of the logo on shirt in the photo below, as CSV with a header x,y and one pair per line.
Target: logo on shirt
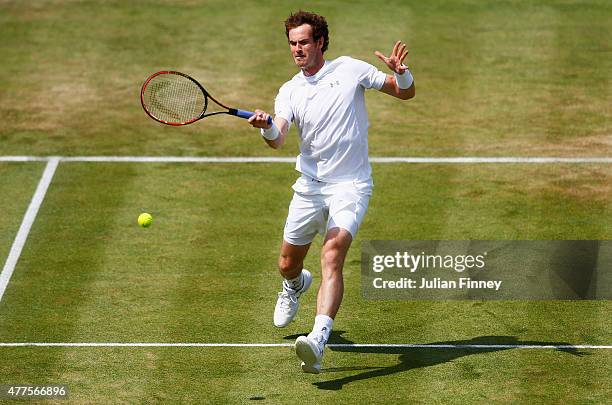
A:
x,y
336,83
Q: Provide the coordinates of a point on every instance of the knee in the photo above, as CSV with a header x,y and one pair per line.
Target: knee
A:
x,y
288,265
331,262
335,247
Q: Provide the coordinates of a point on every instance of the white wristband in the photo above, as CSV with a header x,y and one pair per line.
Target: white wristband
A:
x,y
271,133
405,80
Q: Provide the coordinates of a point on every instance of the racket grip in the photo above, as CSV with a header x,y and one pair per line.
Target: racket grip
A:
x,y
245,114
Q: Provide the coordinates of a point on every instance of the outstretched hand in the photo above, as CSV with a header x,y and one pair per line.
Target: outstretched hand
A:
x,y
396,59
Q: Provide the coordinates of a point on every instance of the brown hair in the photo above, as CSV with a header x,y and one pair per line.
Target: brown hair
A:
x,y
317,22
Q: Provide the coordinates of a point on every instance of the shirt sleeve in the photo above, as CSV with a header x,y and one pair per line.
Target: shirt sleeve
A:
x,y
368,76
282,103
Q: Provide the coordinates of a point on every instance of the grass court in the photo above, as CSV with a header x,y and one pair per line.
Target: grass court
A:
x,y
494,79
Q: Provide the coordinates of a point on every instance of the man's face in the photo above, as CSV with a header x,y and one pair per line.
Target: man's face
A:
x,y
305,51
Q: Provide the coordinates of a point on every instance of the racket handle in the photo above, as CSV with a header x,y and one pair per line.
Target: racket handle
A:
x,y
245,114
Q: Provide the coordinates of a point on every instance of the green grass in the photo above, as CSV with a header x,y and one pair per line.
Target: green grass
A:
x,y
492,77
223,375
505,78
204,272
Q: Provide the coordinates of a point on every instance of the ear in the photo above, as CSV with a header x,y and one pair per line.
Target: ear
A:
x,y
320,42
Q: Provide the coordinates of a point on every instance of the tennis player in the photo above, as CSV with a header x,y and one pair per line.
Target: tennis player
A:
x,y
326,102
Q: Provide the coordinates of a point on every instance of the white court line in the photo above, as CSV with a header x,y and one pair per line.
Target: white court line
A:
x,y
26,224
331,345
264,159
24,159
476,159
177,159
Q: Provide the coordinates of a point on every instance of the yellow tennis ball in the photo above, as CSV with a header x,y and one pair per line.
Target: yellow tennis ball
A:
x,y
145,219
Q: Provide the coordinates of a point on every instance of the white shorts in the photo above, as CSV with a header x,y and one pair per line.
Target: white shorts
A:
x,y
318,206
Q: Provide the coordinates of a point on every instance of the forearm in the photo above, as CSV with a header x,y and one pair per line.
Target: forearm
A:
x,y
402,92
393,88
278,134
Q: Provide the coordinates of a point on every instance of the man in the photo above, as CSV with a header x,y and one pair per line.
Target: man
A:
x,y
326,102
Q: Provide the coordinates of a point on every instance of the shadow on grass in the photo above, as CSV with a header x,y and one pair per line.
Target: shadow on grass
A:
x,y
418,357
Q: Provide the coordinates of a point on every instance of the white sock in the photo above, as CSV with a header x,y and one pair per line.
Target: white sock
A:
x,y
323,325
294,283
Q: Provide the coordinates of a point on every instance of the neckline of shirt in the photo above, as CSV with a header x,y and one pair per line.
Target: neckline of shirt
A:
x,y
317,75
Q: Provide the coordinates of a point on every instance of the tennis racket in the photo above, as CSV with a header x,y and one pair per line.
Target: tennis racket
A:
x,y
174,98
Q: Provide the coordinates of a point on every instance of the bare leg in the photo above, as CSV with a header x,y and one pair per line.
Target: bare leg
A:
x,y
310,348
335,247
291,260
290,265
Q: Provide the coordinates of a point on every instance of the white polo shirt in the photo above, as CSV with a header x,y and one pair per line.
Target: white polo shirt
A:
x,y
332,123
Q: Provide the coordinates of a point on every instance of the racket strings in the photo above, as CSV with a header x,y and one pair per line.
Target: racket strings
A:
x,y
174,99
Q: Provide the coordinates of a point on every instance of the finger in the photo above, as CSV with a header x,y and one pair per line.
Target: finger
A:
x,y
380,56
401,49
394,52
403,56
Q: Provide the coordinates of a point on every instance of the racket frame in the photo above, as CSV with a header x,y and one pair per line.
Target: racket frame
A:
x,y
230,111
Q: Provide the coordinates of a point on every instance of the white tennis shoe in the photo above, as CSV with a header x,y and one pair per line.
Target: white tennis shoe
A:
x,y
287,303
310,350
